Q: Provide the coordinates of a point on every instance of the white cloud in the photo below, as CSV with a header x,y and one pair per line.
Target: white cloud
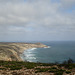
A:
x,y
36,17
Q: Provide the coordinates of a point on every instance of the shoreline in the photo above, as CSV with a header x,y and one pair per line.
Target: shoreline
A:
x,y
12,51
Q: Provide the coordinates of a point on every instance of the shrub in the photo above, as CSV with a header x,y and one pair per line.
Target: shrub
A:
x,y
59,73
2,69
68,72
15,67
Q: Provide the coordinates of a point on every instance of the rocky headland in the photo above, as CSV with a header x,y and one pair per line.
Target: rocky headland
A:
x,y
12,51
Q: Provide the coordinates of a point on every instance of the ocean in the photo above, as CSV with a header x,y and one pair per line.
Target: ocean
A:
x,y
59,51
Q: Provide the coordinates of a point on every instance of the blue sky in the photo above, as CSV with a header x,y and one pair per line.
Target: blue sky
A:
x,y
37,20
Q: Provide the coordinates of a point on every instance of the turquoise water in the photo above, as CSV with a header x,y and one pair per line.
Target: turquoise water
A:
x,y
58,52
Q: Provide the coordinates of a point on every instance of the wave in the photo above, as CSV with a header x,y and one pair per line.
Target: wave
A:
x,y
33,48
30,58
30,50
29,55
48,47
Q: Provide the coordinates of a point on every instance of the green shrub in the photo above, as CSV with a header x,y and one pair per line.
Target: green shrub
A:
x,y
15,67
2,68
59,73
45,64
42,69
53,68
30,65
68,72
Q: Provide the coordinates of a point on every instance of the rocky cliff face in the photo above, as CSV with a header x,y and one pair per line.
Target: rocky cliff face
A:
x,y
12,51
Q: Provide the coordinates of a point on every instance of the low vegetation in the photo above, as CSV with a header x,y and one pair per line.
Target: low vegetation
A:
x,y
69,64
38,67
51,70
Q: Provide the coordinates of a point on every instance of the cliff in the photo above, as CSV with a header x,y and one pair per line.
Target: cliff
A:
x,y
12,51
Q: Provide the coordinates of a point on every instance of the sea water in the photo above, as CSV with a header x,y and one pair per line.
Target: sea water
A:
x,y
57,51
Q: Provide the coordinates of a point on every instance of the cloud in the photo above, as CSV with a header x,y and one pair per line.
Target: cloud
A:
x,y
68,3
37,17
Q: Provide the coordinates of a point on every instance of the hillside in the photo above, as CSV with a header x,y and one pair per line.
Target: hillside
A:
x,y
12,51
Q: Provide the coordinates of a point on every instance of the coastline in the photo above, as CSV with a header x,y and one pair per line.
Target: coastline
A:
x,y
12,51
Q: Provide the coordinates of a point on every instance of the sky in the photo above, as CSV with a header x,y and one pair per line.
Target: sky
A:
x,y
37,20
